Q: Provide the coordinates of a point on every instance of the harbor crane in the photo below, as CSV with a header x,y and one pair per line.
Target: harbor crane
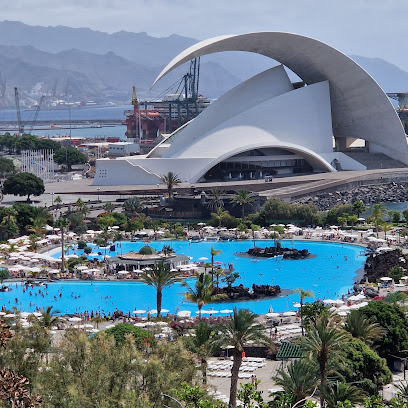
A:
x,y
19,123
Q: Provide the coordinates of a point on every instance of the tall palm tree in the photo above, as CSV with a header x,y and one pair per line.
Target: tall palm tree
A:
x,y
219,215
216,200
159,277
378,211
341,392
359,207
171,180
362,328
303,294
201,293
323,342
214,252
386,227
242,198
236,331
62,224
298,379
203,344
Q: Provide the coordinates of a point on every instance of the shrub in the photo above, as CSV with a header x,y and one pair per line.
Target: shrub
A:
x,y
141,336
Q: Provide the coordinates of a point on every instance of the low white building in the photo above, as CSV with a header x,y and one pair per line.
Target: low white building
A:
x,y
123,148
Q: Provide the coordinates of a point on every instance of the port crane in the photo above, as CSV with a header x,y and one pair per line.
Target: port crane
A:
x,y
20,124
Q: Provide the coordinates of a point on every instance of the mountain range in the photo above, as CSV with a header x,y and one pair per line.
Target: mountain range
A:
x,y
82,64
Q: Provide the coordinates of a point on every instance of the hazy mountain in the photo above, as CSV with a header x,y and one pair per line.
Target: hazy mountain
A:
x,y
389,76
86,64
98,77
138,47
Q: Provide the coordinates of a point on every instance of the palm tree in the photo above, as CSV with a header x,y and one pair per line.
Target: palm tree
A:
x,y
216,200
255,228
242,198
8,225
323,342
37,226
203,344
133,205
62,223
171,180
109,207
159,277
386,227
241,328
362,328
303,294
48,319
298,379
359,207
202,293
342,392
219,215
214,252
378,211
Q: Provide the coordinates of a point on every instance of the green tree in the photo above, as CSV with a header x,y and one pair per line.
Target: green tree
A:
x,y
303,294
362,328
202,293
4,274
219,215
405,215
378,212
69,157
236,331
396,273
323,342
312,312
63,224
298,380
362,364
159,277
242,198
6,167
24,184
171,180
359,207
393,319
8,225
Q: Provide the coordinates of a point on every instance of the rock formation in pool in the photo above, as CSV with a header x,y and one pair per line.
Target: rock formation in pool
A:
x,y
286,253
233,293
378,265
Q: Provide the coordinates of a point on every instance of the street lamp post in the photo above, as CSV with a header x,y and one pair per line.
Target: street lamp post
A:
x,y
98,189
52,199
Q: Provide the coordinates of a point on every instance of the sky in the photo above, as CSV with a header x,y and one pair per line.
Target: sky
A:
x,y
371,28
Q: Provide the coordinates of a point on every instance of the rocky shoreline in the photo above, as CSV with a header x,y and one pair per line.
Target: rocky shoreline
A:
x,y
371,194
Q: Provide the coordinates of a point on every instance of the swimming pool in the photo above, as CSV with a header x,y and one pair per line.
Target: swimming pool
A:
x,y
329,274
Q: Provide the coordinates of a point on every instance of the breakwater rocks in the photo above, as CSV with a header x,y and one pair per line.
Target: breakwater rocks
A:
x,y
378,265
240,292
285,253
380,193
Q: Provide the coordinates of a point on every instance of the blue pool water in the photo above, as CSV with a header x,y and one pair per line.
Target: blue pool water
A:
x,y
329,274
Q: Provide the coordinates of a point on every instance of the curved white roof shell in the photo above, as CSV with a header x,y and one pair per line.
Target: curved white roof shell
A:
x,y
360,108
265,120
